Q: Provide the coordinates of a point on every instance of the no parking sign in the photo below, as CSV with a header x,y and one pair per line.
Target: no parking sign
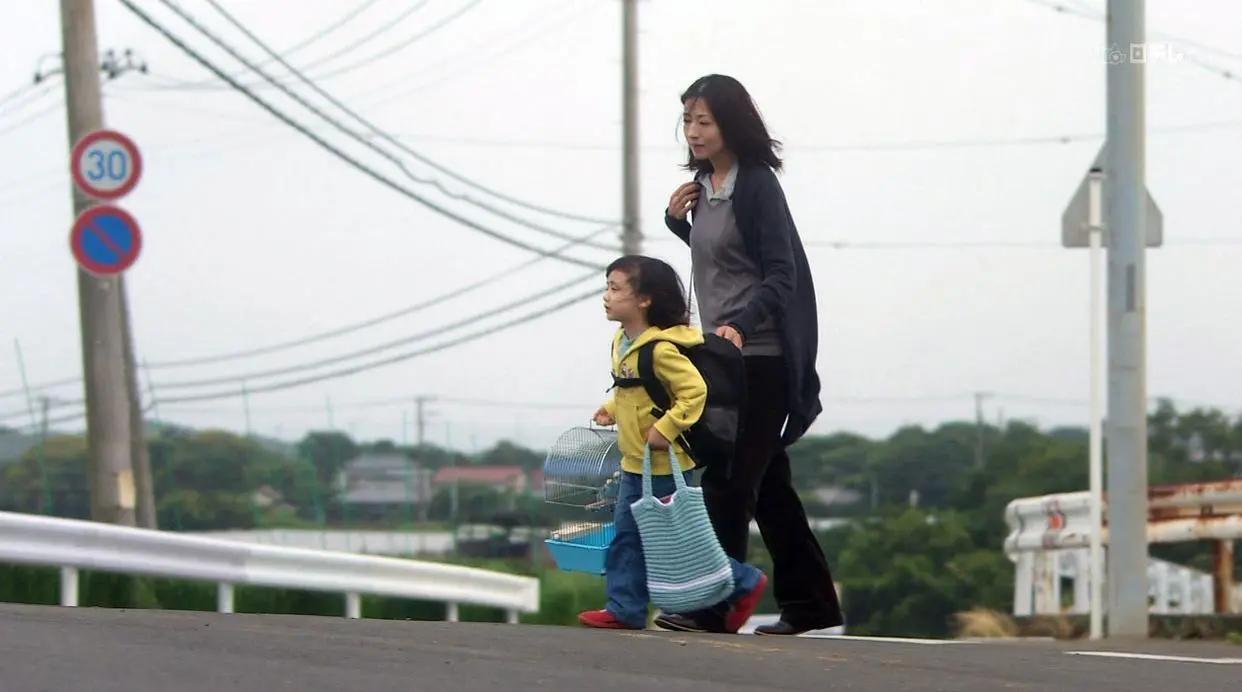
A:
x,y
106,165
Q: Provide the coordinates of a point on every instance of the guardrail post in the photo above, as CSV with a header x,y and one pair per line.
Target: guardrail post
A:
x,y
353,606
451,613
1223,573
1162,586
224,598
1023,583
1082,581
69,587
512,618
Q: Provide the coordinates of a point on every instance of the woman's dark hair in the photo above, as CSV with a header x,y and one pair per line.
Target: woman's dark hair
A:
x,y
739,120
658,281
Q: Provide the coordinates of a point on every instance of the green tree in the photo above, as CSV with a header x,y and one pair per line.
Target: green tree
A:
x,y
328,452
908,574
206,480
68,491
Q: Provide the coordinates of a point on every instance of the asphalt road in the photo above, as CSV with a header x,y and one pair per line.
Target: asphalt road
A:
x,y
47,648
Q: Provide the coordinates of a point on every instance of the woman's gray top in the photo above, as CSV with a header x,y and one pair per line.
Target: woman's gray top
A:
x,y
724,276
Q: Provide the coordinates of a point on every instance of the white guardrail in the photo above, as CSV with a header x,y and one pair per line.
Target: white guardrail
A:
x,y
72,545
1048,537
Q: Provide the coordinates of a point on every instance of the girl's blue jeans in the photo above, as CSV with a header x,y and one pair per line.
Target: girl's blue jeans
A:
x,y
625,580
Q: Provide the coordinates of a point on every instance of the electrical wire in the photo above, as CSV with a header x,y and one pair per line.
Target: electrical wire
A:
x,y
359,165
421,336
357,326
473,336
389,138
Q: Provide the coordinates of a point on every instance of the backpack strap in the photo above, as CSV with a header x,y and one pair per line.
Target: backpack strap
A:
x,y
647,375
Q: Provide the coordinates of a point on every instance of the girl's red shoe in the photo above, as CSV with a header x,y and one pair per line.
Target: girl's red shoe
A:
x,y
602,619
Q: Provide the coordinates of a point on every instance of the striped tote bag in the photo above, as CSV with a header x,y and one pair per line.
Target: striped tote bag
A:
x,y
687,570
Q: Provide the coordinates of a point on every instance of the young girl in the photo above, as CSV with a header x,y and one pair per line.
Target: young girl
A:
x,y
645,296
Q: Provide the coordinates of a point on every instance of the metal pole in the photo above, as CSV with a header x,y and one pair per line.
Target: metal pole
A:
x,y
246,406
155,402
631,231
21,368
979,456
1127,329
69,587
99,299
46,493
1095,198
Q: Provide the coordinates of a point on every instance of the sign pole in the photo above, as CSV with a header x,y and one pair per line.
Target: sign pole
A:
x,y
1096,471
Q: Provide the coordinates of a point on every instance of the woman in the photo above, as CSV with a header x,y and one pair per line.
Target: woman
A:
x,y
753,285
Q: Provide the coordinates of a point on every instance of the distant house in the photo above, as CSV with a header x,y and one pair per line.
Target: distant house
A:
x,y
266,496
837,495
501,478
375,484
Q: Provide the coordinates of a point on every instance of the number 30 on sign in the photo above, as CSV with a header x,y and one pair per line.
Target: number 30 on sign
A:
x,y
106,164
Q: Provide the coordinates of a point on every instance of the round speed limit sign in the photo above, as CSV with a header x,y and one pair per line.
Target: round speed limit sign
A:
x,y
106,164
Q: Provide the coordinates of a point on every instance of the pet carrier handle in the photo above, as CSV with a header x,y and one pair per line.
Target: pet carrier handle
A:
x,y
679,478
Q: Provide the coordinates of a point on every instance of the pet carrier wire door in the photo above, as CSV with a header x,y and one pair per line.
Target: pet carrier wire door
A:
x,y
583,471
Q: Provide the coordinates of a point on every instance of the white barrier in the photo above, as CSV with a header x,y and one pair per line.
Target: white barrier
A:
x,y
72,545
404,543
1052,522
1049,534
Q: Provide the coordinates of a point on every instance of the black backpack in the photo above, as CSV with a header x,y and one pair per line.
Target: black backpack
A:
x,y
712,439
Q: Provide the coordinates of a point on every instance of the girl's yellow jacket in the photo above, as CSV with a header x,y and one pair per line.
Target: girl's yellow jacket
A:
x,y
631,407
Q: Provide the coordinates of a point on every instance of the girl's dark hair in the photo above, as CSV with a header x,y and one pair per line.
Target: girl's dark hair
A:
x,y
658,281
739,120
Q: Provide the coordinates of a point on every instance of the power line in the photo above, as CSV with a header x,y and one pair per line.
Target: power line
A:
x,y
455,60
17,92
1086,11
390,360
389,138
357,326
1232,75
968,244
354,135
322,33
421,336
388,51
37,115
379,177
40,387
387,26
897,145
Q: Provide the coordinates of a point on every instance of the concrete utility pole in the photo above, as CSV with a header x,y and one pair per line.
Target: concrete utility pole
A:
x,y
108,405
979,455
1126,196
420,417
631,231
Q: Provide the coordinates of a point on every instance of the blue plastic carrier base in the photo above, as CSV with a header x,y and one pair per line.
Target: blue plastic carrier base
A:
x,y
585,552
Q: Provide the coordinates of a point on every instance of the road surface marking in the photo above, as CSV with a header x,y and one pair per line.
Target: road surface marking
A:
x,y
1157,657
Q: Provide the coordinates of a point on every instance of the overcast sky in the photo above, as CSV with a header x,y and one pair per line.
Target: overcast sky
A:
x,y
255,236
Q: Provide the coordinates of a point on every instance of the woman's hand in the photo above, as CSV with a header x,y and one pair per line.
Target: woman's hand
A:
x,y
733,335
603,417
683,200
656,441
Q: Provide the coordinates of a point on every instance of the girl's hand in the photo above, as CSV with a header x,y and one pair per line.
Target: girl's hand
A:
x,y
658,442
733,335
602,417
683,200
